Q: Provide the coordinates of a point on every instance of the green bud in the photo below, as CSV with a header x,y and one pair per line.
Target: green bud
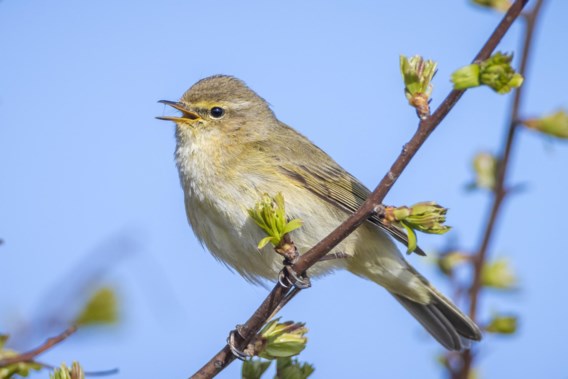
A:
x,y
555,124
63,372
485,167
427,217
270,215
500,5
281,339
495,72
502,324
417,75
498,274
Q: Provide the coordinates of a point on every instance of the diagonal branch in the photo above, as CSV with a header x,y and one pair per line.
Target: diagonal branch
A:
x,y
500,190
368,208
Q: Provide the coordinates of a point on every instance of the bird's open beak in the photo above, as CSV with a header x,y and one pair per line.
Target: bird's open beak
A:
x,y
187,115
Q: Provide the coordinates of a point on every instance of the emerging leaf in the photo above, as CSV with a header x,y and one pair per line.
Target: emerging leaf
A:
x,y
63,372
270,215
417,75
279,340
495,72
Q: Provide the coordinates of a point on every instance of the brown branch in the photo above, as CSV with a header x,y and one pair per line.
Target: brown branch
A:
x,y
425,128
30,355
500,190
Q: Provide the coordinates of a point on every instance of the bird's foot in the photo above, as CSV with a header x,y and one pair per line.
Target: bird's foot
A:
x,y
232,342
288,278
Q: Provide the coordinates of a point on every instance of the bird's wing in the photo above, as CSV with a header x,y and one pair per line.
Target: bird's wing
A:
x,y
339,188
325,178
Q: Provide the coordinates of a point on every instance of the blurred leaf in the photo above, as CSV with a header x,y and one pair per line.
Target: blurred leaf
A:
x,y
102,308
502,324
555,124
449,261
498,274
500,5
485,166
254,368
288,368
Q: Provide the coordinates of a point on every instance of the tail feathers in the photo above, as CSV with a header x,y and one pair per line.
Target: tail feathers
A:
x,y
444,321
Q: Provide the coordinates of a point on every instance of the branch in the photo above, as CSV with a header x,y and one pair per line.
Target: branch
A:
x,y
30,355
500,190
368,208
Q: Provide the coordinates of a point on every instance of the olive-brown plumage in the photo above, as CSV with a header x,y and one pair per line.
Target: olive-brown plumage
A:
x,y
231,149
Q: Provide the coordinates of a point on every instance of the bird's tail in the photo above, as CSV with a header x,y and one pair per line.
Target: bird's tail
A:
x,y
443,320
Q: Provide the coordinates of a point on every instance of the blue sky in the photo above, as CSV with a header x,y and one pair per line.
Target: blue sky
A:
x,y
87,172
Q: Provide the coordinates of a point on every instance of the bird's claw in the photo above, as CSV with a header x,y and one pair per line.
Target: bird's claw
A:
x,y
231,341
288,277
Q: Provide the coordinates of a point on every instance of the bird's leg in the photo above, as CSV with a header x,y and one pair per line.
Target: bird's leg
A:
x,y
288,277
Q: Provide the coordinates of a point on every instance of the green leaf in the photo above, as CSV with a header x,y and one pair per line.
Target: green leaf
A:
x,y
500,324
102,308
412,239
263,242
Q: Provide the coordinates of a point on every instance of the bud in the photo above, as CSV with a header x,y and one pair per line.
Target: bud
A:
x,y
502,324
270,215
555,124
495,72
63,372
427,217
277,340
498,274
417,75
500,5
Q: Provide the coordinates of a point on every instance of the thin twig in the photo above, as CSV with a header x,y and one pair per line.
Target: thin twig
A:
x,y
425,128
500,191
30,355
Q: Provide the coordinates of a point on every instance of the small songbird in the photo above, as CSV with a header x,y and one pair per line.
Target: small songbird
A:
x,y
231,149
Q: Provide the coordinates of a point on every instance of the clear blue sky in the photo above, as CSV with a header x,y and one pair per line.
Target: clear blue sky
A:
x,y
83,162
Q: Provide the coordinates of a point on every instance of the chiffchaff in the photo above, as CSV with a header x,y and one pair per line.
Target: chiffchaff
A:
x,y
231,149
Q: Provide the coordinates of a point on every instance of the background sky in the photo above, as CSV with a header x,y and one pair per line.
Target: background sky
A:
x,y
88,178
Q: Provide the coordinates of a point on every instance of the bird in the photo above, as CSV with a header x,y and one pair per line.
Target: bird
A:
x,y
231,149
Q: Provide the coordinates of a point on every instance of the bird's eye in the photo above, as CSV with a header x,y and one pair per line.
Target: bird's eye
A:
x,y
217,112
